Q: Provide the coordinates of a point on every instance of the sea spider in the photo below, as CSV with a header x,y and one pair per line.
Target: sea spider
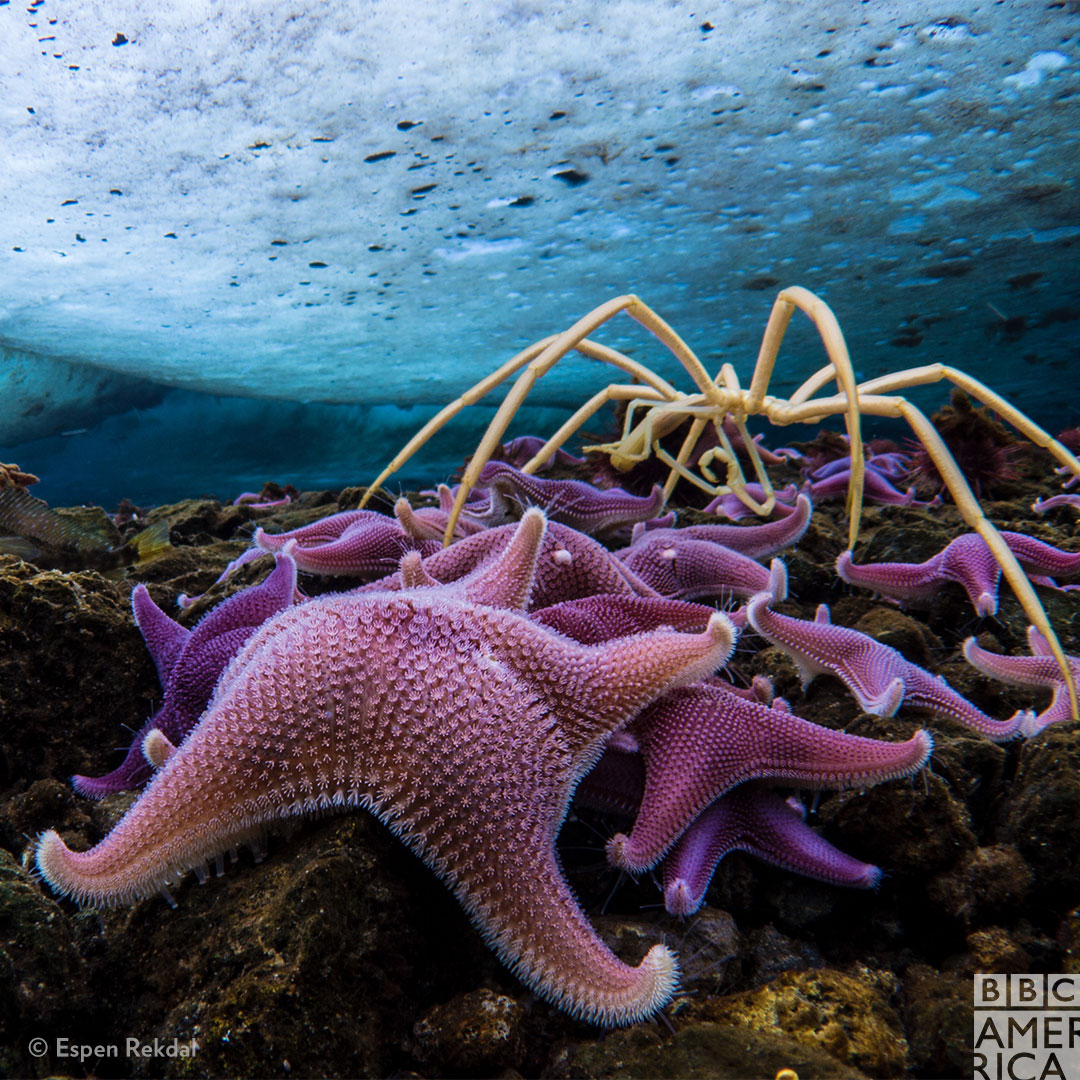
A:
x,y
723,398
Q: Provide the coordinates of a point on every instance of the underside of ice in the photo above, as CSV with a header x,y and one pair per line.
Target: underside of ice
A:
x,y
381,202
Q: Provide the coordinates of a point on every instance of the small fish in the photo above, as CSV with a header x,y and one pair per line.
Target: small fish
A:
x,y
33,532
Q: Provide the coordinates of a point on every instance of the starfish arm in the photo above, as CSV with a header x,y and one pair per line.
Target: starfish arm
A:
x,y
758,821
691,569
969,561
910,583
753,541
131,773
1041,558
1041,506
413,574
700,742
507,580
370,545
596,511
157,748
731,506
323,531
615,785
926,691
165,638
594,619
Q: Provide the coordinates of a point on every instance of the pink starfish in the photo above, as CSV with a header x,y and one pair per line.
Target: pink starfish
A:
x,y
731,506
464,726
966,560
754,541
356,543
593,510
703,740
677,565
757,820
879,676
1038,669
570,565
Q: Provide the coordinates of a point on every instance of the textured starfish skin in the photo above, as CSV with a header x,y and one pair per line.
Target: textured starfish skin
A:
x,y
189,664
701,741
464,727
690,569
880,677
1039,669
359,543
596,511
754,541
570,565
754,819
731,506
966,560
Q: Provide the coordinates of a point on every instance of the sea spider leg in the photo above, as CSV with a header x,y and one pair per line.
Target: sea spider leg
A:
x,y
822,317
966,503
536,368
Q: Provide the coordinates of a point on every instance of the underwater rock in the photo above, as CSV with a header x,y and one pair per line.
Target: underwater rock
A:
x,y
848,1016
939,1014
985,882
43,977
473,1032
698,1050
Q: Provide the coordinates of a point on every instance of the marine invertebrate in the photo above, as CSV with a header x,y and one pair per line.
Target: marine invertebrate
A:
x,y
463,725
966,560
723,399
879,676
189,664
1038,669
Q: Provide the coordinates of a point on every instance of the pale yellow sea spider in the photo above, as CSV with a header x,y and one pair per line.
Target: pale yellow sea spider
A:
x,y
723,398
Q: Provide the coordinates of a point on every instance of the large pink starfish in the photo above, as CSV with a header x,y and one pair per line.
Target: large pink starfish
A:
x,y
880,677
464,726
966,560
1039,669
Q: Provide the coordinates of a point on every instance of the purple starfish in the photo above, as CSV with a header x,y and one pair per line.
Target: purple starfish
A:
x,y
880,677
520,451
189,664
357,543
677,565
1039,669
966,560
754,541
1041,506
570,565
596,511
731,506
833,481
703,740
757,820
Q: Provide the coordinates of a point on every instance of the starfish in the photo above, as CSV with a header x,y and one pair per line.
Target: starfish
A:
x,y
677,565
731,506
1041,506
701,741
966,560
754,541
189,663
465,727
1039,669
356,543
755,819
520,451
596,511
880,677
833,479
570,565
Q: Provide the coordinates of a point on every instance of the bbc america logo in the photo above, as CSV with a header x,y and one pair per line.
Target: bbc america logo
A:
x,y
1027,1027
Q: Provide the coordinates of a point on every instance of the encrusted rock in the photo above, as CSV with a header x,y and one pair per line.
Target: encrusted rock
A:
x,y
846,1015
479,1030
